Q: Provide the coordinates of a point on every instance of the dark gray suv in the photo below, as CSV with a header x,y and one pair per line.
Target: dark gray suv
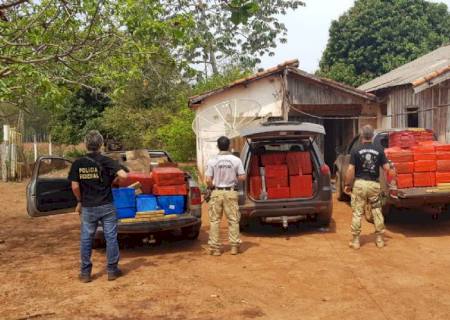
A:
x,y
282,137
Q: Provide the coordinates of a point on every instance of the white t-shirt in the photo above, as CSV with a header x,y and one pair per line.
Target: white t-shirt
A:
x,y
224,169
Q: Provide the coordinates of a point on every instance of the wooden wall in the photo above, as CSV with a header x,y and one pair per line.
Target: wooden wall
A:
x,y
401,98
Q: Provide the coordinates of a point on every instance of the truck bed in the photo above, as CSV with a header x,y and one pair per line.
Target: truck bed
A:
x,y
416,197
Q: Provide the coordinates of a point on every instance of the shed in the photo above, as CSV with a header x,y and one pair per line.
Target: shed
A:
x,y
288,93
417,94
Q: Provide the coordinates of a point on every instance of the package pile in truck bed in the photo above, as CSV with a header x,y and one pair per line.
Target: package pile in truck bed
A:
x,y
168,181
425,164
287,175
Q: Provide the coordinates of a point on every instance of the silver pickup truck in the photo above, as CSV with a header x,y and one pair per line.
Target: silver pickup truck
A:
x,y
49,193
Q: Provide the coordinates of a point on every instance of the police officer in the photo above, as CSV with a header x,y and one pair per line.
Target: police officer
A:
x,y
222,175
91,178
365,162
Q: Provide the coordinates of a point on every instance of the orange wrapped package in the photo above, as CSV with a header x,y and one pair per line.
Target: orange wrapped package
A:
x,y
399,155
299,162
168,176
424,156
255,186
424,179
404,167
442,155
170,190
300,186
443,165
442,177
425,166
273,158
405,181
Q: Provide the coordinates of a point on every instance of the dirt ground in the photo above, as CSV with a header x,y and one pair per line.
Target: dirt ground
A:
x,y
304,273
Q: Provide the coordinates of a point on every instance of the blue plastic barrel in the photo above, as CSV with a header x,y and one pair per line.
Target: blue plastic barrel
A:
x,y
172,204
146,202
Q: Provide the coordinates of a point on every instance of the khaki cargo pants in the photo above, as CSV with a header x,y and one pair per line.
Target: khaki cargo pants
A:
x,y
223,201
366,194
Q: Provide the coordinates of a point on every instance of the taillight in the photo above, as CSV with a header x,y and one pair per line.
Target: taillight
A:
x,y
196,196
325,170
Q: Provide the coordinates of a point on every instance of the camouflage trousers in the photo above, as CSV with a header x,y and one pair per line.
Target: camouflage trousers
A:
x,y
223,201
366,194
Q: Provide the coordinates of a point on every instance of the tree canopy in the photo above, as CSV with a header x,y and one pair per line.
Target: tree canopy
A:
x,y
127,67
376,36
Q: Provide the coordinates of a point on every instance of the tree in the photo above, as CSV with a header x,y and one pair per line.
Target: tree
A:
x,y
234,31
48,46
376,36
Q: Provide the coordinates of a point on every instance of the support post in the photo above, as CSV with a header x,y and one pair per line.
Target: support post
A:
x,y
35,148
5,152
50,149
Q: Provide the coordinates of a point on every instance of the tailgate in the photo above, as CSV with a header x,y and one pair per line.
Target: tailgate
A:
x,y
425,192
168,222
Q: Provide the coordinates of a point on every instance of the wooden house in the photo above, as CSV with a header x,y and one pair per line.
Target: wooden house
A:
x,y
287,93
416,94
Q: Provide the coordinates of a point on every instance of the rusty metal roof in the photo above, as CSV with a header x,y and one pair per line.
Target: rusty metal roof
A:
x,y
415,73
291,66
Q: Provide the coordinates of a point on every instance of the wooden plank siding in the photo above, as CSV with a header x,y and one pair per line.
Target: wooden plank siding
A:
x,y
399,99
304,91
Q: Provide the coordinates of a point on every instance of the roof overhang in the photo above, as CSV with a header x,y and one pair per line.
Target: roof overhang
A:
x,y
290,66
431,80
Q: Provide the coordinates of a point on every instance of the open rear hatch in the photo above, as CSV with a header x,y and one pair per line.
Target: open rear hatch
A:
x,y
282,162
276,130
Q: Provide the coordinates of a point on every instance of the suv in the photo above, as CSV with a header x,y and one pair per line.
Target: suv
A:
x,y
401,198
49,192
281,137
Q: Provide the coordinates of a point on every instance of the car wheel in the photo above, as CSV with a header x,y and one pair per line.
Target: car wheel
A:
x,y
386,210
341,196
191,233
244,224
323,220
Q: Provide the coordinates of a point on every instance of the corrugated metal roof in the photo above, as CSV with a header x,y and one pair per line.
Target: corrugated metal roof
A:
x,y
290,65
415,72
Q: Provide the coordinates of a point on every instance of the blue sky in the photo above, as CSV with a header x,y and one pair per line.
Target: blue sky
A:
x,y
308,32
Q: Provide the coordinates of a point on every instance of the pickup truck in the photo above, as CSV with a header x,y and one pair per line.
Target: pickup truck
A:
x,y
49,193
415,197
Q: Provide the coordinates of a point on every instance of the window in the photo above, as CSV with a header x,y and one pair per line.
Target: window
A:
x,y
412,117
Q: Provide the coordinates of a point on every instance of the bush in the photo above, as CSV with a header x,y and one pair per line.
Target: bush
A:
x,y
177,136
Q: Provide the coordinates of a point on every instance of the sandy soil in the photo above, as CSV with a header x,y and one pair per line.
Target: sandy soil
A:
x,y
300,274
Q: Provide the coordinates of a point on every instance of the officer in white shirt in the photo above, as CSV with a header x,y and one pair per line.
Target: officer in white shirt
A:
x,y
223,172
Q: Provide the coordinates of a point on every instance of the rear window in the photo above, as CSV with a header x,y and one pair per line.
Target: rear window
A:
x,y
285,146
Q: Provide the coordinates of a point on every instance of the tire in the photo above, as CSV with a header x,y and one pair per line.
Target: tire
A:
x,y
324,219
341,196
386,210
191,233
244,224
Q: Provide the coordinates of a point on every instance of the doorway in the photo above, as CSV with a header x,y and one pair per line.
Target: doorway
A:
x,y
339,133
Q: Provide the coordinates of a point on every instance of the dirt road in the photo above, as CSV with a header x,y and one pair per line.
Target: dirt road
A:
x,y
302,274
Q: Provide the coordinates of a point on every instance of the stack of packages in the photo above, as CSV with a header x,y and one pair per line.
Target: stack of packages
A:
x,y
442,163
424,165
419,161
286,175
300,174
255,178
276,175
403,160
170,189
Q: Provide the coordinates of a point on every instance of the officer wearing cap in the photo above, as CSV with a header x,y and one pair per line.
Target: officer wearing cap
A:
x,y
223,172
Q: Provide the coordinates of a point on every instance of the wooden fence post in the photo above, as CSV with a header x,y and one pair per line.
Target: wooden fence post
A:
x,y
35,148
5,152
50,149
